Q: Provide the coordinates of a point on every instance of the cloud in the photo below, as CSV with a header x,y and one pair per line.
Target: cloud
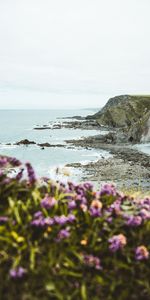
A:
x,y
79,49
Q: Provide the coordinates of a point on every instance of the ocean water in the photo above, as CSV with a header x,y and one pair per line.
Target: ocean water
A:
x,y
16,125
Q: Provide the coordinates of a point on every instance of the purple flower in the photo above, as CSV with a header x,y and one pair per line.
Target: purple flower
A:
x,y
116,206
95,212
117,242
48,202
145,214
3,162
72,205
141,253
48,221
79,198
144,202
108,189
14,162
71,218
31,173
61,220
71,186
63,234
133,220
95,208
39,222
92,261
38,214
3,219
109,219
1,173
18,272
88,186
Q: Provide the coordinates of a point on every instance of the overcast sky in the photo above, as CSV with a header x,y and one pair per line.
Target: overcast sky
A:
x,y
67,53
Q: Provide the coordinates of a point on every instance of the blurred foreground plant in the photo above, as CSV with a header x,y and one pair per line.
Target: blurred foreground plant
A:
x,y
68,241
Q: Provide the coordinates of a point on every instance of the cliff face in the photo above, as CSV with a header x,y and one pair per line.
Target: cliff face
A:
x,y
122,111
131,113
140,131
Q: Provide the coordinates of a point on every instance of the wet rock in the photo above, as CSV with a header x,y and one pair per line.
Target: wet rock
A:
x,y
57,126
44,145
73,165
25,142
42,128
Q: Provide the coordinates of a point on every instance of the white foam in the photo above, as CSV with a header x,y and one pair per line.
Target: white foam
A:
x,y
4,146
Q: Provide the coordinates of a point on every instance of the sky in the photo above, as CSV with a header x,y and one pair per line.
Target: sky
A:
x,y
72,53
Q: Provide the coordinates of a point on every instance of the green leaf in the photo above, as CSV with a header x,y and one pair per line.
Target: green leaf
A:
x,y
17,215
50,286
32,257
70,273
100,280
84,292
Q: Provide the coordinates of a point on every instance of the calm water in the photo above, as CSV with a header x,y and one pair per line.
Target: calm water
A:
x,y
18,124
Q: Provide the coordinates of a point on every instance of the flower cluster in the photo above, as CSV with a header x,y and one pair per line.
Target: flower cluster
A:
x,y
92,261
141,253
18,272
48,202
31,173
117,242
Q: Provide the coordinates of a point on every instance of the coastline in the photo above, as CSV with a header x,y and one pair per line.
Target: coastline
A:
x,y
128,168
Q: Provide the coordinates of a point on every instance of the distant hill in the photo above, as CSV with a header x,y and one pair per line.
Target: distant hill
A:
x,y
121,111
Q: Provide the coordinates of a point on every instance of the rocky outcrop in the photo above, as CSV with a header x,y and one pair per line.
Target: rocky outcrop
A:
x,y
129,113
122,111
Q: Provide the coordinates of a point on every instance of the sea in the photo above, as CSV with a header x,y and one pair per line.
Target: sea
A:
x,y
16,125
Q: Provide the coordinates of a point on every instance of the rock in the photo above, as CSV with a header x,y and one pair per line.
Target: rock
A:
x,y
44,145
25,142
74,117
42,128
56,126
50,145
73,165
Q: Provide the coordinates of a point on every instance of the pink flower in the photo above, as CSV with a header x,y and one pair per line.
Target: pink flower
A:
x,y
141,253
117,242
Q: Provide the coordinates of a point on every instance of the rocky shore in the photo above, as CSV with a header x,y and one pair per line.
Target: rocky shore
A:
x,y
73,123
127,168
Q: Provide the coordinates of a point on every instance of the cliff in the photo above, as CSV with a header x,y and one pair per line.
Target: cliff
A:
x,y
121,111
131,113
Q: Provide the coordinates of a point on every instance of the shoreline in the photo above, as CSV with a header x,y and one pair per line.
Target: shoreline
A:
x,y
128,168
